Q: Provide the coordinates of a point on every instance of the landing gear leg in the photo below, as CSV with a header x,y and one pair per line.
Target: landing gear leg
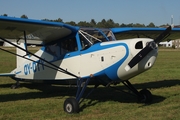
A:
x,y
144,95
71,105
16,85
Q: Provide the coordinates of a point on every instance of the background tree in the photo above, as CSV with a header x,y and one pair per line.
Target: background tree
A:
x,y
84,24
151,25
71,23
123,25
5,15
45,19
102,24
164,25
129,25
138,25
58,20
24,16
110,23
93,23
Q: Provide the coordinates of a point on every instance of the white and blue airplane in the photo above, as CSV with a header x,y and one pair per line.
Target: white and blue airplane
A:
x,y
82,56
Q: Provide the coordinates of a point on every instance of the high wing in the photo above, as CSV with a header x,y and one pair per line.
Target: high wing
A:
x,y
36,31
129,32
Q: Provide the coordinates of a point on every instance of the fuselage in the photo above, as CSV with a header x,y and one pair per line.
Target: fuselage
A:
x,y
104,60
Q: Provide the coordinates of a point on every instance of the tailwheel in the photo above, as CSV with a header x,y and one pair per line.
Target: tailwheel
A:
x,y
71,105
146,96
16,85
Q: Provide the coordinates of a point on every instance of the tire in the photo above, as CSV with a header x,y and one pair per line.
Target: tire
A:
x,y
71,105
146,96
14,86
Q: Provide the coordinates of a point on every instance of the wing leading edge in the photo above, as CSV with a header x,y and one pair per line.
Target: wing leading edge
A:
x,y
127,32
37,30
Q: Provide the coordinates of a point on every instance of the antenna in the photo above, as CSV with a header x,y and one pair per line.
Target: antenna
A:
x,y
172,22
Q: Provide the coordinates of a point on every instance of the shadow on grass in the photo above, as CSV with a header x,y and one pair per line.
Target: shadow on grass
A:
x,y
101,94
158,84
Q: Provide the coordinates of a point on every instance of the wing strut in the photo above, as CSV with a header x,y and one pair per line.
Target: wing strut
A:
x,y
56,67
25,40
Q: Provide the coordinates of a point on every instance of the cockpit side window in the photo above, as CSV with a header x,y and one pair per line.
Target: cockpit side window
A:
x,y
110,36
91,36
54,50
84,42
62,47
68,45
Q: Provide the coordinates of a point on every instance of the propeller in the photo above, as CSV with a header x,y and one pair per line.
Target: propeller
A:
x,y
149,47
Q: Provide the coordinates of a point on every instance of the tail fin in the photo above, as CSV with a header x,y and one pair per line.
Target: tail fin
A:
x,y
20,60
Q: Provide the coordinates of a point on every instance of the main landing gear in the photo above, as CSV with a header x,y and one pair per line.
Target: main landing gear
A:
x,y
71,105
144,96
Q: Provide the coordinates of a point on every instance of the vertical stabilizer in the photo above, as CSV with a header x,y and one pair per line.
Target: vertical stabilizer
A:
x,y
20,60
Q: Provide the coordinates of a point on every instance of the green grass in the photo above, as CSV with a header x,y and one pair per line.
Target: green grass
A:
x,y
40,102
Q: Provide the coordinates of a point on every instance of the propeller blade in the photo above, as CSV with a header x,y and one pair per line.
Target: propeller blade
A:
x,y
149,47
163,35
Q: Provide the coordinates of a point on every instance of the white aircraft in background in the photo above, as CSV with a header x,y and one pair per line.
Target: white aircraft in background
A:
x,y
82,56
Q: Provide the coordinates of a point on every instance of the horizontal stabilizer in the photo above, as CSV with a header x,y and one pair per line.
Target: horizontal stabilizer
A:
x,y
7,74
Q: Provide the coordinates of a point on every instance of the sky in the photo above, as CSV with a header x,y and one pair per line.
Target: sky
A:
x,y
120,11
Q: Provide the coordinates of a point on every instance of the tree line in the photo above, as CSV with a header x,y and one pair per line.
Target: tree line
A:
x,y
102,24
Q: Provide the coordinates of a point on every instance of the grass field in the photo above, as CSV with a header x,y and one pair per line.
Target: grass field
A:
x,y
45,102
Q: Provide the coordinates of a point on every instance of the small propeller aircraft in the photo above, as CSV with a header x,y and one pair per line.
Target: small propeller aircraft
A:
x,y
82,56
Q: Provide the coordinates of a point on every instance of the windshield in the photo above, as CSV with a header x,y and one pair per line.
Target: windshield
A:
x,y
97,35
90,36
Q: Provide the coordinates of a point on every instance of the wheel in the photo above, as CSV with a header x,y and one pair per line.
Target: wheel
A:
x,y
146,96
71,105
14,86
